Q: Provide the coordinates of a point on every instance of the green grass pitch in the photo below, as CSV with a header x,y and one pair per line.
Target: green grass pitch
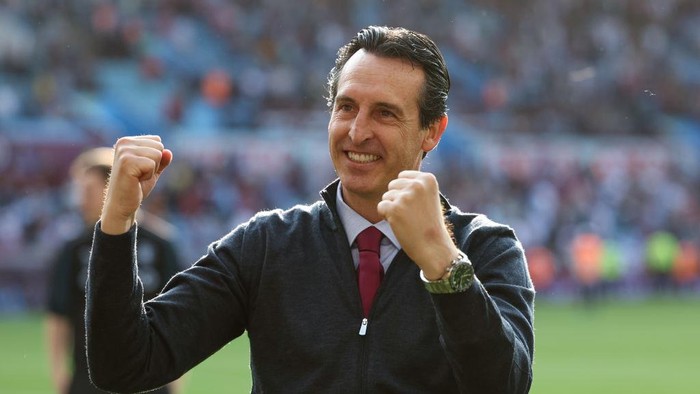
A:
x,y
616,347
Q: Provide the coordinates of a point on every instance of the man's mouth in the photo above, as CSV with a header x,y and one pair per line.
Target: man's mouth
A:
x,y
362,157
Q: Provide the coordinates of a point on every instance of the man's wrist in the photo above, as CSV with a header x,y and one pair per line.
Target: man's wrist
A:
x,y
115,224
440,268
458,277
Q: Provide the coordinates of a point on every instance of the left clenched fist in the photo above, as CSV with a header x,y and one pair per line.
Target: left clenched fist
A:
x,y
412,207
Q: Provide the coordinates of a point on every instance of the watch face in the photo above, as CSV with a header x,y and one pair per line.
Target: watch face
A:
x,y
462,276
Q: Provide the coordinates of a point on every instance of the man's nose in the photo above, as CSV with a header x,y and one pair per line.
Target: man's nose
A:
x,y
361,128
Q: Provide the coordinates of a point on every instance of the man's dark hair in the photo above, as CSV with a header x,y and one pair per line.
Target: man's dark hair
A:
x,y
401,43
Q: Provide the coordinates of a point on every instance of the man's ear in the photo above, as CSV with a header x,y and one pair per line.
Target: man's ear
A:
x,y
434,134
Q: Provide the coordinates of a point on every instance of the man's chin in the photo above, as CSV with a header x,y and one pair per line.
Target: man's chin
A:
x,y
361,189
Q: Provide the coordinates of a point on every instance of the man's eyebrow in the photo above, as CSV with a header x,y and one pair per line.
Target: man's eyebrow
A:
x,y
391,107
381,104
344,98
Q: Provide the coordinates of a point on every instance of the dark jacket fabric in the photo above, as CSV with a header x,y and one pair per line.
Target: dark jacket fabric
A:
x,y
288,280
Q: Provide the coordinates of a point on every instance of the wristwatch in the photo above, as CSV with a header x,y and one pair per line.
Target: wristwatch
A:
x,y
459,277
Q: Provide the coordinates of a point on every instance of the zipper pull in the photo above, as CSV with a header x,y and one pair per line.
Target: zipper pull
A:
x,y
363,327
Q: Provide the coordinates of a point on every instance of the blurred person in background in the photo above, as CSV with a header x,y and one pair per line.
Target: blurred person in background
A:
x,y
383,286
662,250
65,328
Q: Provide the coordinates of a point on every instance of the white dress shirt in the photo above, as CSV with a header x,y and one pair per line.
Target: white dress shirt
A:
x,y
354,224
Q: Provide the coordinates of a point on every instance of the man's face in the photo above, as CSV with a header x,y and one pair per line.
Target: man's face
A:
x,y
374,129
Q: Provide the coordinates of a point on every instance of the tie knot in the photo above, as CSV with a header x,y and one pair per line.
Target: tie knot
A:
x,y
369,239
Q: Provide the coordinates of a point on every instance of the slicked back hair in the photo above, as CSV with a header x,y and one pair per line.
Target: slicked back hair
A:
x,y
401,43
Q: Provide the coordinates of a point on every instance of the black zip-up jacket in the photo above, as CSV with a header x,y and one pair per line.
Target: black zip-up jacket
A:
x,y
287,278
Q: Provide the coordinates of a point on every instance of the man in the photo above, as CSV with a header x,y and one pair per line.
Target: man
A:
x,y
65,323
453,311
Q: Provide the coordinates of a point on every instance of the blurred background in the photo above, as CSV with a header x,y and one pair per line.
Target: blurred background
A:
x,y
575,122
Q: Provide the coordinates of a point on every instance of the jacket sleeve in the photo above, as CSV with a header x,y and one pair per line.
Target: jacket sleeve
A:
x,y
487,332
135,346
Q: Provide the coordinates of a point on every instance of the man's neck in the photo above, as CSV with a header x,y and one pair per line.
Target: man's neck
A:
x,y
364,206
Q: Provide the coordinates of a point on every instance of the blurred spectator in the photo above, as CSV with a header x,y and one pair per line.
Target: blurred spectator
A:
x,y
686,266
587,257
661,253
611,265
65,326
540,262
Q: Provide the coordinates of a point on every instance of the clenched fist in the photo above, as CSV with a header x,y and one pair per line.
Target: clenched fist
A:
x,y
138,163
412,207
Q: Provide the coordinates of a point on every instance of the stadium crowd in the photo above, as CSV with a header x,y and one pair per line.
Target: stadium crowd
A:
x,y
576,122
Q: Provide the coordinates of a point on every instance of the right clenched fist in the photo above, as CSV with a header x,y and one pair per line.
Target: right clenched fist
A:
x,y
138,163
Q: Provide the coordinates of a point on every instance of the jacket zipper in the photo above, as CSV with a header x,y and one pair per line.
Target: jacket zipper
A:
x,y
364,324
363,327
363,355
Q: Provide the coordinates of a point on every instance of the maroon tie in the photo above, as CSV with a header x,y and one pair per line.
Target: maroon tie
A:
x,y
370,271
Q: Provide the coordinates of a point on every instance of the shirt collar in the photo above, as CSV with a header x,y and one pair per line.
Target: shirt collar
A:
x,y
354,223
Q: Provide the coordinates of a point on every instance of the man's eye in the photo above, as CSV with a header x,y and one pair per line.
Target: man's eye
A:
x,y
386,114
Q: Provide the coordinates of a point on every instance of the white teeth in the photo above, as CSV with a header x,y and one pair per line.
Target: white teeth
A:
x,y
362,157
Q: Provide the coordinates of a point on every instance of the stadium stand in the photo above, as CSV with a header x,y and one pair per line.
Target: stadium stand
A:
x,y
566,118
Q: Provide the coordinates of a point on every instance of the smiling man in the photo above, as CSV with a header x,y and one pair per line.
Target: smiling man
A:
x,y
382,286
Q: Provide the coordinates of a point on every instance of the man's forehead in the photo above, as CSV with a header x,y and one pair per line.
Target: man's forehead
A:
x,y
400,64
383,76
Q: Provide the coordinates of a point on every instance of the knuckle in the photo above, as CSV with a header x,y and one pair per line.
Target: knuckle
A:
x,y
429,181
